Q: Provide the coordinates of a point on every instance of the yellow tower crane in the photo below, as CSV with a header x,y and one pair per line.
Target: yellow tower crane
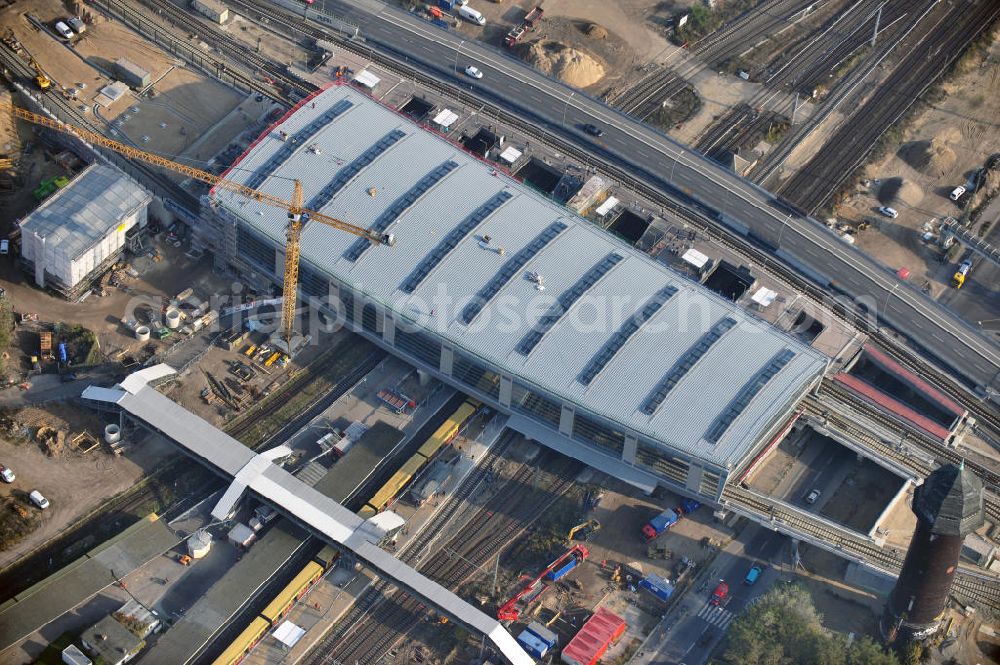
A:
x,y
297,215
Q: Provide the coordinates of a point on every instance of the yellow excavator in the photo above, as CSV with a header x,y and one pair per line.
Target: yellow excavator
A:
x,y
42,79
584,531
297,215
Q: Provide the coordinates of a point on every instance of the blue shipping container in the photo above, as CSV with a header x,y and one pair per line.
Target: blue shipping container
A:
x,y
63,357
447,4
559,573
532,644
657,586
440,23
543,633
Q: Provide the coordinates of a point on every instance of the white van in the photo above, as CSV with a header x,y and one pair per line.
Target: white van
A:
x,y
64,30
39,500
472,15
4,246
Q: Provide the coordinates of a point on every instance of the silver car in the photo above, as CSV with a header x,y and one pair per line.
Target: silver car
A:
x,y
39,500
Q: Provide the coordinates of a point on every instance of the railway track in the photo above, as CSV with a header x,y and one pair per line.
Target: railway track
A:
x,y
68,111
175,28
691,212
976,587
936,450
382,618
698,217
238,429
804,68
374,595
955,28
642,99
931,445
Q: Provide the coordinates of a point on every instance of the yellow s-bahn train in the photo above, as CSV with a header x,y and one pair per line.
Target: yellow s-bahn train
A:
x,y
444,435
279,606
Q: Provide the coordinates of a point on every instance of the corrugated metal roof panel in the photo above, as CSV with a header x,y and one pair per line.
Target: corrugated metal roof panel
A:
x,y
437,302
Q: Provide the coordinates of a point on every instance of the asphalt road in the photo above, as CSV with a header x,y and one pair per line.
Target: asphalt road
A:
x,y
678,172
694,628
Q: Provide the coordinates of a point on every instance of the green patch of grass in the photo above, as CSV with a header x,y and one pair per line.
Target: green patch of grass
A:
x,y
682,107
84,349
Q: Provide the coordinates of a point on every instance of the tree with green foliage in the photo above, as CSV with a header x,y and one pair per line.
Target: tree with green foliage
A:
x,y
784,628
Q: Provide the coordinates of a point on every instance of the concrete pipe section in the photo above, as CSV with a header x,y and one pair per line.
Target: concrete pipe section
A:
x,y
173,319
112,433
142,333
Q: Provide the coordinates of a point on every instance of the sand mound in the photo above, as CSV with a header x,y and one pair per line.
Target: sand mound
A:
x,y
900,191
932,157
595,31
569,65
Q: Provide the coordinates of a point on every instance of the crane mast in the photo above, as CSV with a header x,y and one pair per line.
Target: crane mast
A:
x,y
289,291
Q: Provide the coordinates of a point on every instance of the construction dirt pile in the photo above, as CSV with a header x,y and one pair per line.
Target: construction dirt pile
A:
x,y
900,191
595,31
932,157
569,65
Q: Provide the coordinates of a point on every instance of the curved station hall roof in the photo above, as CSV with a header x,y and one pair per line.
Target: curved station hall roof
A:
x,y
615,332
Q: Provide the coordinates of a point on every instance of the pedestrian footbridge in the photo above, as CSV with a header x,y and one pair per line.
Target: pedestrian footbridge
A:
x,y
256,472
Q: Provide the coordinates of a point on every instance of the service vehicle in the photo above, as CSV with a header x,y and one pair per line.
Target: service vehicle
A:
x,y
4,246
64,30
6,474
660,523
958,279
720,594
39,500
472,15
891,213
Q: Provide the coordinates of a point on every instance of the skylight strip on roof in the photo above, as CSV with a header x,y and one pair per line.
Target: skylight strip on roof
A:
x,y
294,142
566,300
750,390
509,269
629,328
452,240
685,363
349,172
399,206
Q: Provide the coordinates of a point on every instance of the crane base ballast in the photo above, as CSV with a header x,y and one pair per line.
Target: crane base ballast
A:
x,y
297,344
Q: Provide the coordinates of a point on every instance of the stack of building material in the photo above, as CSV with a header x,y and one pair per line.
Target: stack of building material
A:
x,y
588,645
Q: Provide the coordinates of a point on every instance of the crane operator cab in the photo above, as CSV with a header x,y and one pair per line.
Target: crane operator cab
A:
x,y
388,239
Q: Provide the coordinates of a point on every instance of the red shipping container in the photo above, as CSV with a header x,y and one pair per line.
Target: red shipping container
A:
x,y
588,645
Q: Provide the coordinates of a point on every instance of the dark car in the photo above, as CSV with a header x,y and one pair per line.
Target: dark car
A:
x,y
593,130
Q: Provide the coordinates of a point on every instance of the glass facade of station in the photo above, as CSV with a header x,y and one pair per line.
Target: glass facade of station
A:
x,y
480,378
